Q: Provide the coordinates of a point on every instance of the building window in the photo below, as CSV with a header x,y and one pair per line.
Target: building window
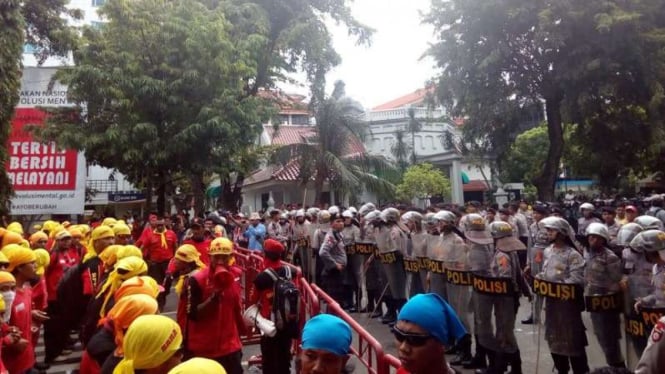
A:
x,y
98,2
299,119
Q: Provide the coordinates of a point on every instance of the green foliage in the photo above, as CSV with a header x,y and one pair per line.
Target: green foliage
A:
x,y
400,150
592,63
422,181
330,155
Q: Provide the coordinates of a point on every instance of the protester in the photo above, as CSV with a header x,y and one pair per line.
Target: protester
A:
x,y
426,326
255,233
199,366
152,344
111,331
158,249
323,352
214,312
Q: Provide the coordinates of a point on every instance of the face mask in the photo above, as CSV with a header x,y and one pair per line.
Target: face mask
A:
x,y
9,300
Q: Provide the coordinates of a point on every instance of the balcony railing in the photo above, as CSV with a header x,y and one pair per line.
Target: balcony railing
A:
x,y
403,113
102,185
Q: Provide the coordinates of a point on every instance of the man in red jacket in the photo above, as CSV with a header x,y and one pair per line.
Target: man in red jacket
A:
x,y
199,239
158,248
214,312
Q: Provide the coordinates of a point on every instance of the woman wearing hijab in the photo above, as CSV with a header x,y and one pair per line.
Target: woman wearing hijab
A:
x,y
152,345
426,326
323,352
110,336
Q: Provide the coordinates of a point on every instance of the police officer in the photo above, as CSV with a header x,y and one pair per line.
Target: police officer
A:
x,y
323,227
391,246
602,275
334,261
563,264
649,223
458,276
436,274
652,243
300,239
416,249
479,241
375,282
586,210
534,261
637,284
350,236
500,293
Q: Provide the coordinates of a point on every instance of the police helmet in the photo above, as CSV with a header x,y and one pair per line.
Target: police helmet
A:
x,y
412,216
446,217
300,213
649,241
649,223
556,223
390,215
596,228
373,216
627,233
366,208
347,214
500,229
586,206
333,210
324,216
430,219
474,222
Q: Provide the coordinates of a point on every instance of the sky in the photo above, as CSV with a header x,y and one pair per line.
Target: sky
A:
x,y
390,67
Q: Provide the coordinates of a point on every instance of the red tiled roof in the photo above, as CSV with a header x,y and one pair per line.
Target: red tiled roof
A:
x,y
412,98
475,186
290,134
289,172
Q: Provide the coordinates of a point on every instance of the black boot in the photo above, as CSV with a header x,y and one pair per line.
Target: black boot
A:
x,y
490,357
516,363
464,354
498,364
391,313
479,361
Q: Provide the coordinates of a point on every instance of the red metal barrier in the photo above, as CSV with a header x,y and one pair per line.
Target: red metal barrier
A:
x,y
369,351
393,361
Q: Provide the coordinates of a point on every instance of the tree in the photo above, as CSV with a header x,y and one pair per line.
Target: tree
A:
x,y
41,24
422,181
413,126
164,90
400,150
500,59
334,152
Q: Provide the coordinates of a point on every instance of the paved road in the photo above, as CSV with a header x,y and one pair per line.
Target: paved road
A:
x,y
535,357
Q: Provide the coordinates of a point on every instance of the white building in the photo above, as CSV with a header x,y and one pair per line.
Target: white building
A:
x,y
468,181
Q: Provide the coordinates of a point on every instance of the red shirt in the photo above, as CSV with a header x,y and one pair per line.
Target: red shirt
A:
x,y
214,332
22,319
202,247
60,262
39,295
153,250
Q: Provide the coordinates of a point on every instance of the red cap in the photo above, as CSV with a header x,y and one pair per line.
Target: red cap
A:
x,y
272,245
631,208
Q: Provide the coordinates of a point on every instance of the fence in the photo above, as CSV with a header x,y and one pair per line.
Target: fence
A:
x,y
368,351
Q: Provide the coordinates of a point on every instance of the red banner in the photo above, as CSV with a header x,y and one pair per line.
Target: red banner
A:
x,y
35,166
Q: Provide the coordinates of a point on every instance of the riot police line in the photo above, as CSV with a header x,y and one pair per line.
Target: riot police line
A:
x,y
476,266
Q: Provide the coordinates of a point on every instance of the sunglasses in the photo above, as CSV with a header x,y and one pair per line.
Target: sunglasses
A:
x,y
414,340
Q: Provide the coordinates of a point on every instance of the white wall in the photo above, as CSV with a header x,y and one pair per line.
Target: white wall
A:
x,y
473,171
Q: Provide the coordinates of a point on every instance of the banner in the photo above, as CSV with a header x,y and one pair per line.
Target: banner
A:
x,y
46,179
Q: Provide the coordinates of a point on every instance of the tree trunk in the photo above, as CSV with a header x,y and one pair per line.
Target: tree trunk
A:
x,y
161,194
230,197
198,190
546,181
148,196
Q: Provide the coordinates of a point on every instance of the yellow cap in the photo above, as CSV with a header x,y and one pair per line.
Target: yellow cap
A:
x,y
129,251
43,260
49,225
37,236
198,365
11,238
19,256
15,227
109,221
121,229
221,246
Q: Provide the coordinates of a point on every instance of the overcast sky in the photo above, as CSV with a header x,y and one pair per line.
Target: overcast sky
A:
x,y
391,66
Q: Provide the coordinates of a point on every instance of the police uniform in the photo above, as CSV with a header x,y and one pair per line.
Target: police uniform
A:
x,y
300,237
653,358
416,250
317,240
436,265
583,223
565,265
638,276
602,275
331,254
391,246
534,261
350,236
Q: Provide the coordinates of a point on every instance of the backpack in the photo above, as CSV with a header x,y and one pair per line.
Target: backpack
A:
x,y
285,303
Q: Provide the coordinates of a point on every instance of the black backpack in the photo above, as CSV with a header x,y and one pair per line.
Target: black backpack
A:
x,y
285,303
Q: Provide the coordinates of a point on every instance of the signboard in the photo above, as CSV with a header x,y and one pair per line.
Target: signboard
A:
x,y
46,179
126,197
